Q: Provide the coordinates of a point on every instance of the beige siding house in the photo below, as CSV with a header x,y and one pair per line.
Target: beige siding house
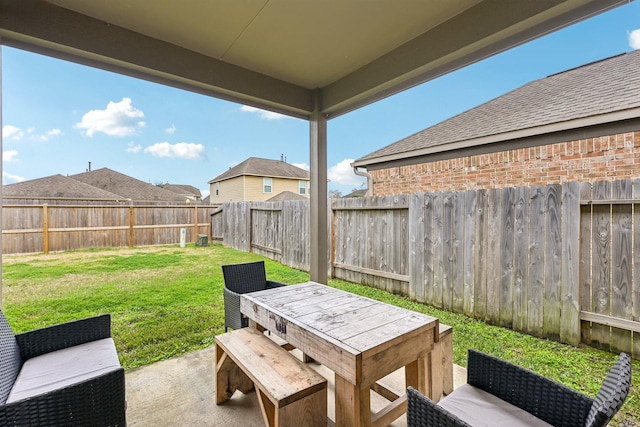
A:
x,y
580,125
258,179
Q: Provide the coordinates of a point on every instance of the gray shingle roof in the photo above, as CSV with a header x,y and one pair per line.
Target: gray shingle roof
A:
x,y
608,86
263,167
286,195
183,189
126,186
57,186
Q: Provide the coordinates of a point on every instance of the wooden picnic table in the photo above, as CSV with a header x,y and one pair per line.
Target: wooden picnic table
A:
x,y
361,340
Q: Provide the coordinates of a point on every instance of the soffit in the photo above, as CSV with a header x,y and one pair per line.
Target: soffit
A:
x,y
284,55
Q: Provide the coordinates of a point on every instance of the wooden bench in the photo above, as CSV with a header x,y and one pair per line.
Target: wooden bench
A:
x,y
290,393
442,364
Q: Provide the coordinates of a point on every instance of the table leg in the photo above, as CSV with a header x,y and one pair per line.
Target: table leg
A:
x,y
418,374
353,404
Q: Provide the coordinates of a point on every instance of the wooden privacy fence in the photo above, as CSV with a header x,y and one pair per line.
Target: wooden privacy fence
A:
x,y
557,261
276,230
49,228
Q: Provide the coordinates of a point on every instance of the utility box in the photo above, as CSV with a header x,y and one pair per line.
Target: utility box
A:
x,y
203,240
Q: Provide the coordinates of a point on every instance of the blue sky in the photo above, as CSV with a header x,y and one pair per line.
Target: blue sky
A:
x,y
59,116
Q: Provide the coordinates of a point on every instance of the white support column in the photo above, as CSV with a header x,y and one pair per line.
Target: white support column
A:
x,y
318,224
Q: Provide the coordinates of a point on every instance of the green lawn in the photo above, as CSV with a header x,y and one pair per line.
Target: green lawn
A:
x,y
166,301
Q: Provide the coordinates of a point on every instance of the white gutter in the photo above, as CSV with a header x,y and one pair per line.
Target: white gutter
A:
x,y
369,180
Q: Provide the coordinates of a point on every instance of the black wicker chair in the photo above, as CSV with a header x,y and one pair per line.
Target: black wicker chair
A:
x,y
93,397
240,279
496,381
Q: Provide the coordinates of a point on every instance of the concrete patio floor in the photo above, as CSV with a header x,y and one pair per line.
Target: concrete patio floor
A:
x,y
180,392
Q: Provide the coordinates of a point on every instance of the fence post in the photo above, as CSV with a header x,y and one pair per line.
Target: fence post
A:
x,y
195,226
131,230
250,228
45,228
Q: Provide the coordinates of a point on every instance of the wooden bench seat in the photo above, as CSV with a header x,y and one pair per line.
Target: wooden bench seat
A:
x,y
290,393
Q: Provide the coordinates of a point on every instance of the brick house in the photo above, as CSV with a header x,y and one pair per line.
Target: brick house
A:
x,y
580,125
257,179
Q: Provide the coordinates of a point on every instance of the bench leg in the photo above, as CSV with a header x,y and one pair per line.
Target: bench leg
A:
x,y
310,411
441,361
447,359
229,377
267,408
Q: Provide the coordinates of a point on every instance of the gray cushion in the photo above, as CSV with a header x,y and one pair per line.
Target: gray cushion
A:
x,y
479,408
64,367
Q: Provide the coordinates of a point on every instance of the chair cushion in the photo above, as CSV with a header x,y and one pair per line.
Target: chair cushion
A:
x,y
479,408
64,367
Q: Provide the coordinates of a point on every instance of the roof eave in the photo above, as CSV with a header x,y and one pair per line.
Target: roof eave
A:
x,y
484,144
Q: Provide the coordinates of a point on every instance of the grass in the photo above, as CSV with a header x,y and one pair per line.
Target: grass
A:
x,y
166,301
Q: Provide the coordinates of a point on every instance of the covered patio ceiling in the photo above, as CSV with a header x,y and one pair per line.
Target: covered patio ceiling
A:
x,y
308,59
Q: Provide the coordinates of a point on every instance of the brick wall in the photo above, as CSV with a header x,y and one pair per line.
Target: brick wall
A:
x,y
589,160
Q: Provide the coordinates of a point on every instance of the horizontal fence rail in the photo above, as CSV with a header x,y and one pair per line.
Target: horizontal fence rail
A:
x,y
30,228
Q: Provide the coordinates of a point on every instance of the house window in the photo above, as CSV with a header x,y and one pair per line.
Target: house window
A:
x,y
217,188
302,185
266,185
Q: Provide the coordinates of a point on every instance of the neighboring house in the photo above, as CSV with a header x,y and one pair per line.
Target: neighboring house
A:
x,y
580,125
287,195
55,187
356,193
187,191
258,179
127,187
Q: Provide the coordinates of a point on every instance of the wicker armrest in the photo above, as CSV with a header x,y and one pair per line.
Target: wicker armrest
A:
x,y
545,399
271,284
99,401
41,341
423,412
232,316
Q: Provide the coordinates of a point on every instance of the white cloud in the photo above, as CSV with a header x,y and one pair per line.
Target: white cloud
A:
x,y
170,130
342,174
48,134
10,156
6,176
264,114
12,132
134,148
634,39
182,150
302,166
118,119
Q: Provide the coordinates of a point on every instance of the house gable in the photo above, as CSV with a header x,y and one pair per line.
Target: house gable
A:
x,y
245,181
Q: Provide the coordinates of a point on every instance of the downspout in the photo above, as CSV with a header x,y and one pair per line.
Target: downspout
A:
x,y
369,180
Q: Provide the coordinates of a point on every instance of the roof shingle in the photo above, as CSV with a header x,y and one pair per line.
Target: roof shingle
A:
x,y
126,186
607,86
57,186
263,167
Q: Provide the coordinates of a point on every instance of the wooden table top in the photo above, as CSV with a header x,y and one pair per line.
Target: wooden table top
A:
x,y
356,337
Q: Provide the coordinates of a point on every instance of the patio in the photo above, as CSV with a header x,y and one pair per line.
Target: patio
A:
x,y
180,391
